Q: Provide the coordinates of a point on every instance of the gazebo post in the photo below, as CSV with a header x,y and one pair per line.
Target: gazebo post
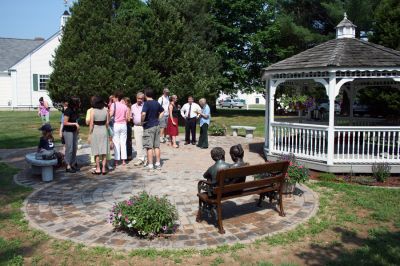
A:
x,y
271,107
331,128
267,123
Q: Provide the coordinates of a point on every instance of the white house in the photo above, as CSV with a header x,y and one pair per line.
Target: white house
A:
x,y
25,69
250,98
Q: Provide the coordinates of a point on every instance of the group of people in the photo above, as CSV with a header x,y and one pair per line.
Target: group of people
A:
x,y
111,126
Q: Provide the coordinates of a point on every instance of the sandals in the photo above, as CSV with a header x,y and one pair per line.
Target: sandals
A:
x,y
104,173
96,173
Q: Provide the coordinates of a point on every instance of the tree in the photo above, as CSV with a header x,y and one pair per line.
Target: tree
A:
x,y
130,45
83,62
386,29
245,40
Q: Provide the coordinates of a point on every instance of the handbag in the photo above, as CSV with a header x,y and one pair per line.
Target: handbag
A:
x,y
112,118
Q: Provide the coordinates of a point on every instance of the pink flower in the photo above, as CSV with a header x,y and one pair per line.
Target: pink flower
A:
x,y
126,219
119,215
129,203
290,163
301,166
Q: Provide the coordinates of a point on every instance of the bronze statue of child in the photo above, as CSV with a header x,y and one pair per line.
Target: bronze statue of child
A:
x,y
218,155
237,154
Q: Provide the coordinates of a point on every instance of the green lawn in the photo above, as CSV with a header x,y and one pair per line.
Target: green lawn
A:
x,y
19,129
228,117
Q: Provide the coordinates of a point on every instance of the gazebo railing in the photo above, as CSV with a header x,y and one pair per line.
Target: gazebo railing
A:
x,y
351,144
358,121
303,140
367,144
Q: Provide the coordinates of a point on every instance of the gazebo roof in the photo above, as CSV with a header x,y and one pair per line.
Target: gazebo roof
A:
x,y
346,52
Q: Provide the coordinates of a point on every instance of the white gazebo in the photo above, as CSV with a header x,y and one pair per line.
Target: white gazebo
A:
x,y
337,146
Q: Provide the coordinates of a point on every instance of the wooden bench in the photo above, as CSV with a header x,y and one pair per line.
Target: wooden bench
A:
x,y
249,131
41,167
225,190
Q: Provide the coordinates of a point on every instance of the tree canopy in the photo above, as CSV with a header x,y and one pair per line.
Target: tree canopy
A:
x,y
199,47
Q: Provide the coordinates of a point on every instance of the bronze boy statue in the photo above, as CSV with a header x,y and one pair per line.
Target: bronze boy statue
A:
x,y
237,154
218,155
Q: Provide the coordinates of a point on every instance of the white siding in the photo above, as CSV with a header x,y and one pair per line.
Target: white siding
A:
x,y
5,90
35,63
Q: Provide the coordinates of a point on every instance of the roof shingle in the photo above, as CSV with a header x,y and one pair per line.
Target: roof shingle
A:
x,y
12,50
346,52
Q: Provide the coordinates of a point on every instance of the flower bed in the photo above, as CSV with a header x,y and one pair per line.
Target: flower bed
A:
x,y
145,216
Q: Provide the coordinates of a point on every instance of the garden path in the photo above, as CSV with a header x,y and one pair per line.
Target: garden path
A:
x,y
75,206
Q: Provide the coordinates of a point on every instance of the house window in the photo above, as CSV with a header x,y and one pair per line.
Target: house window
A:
x,y
257,100
43,79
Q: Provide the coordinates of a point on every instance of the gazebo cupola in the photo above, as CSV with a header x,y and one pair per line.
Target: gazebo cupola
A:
x,y
345,29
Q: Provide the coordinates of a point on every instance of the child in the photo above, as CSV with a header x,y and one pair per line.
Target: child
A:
x,y
237,154
46,146
218,155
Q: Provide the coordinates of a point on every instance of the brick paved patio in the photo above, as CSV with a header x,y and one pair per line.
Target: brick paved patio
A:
x,y
76,206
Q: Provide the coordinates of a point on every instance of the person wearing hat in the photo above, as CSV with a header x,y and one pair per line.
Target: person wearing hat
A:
x,y
46,145
164,102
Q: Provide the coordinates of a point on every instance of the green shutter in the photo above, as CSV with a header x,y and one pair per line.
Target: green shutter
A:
x,y
35,82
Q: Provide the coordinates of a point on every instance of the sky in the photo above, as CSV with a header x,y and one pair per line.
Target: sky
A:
x,y
27,19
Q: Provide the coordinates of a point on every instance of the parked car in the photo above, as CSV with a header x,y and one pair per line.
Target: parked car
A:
x,y
359,108
323,106
232,103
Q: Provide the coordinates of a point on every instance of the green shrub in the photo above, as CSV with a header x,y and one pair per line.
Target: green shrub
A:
x,y
145,215
329,177
217,130
381,171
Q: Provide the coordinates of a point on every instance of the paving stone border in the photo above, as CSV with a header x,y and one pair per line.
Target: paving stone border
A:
x,y
75,207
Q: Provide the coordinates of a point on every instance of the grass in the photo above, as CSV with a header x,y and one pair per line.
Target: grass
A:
x,y
229,117
19,129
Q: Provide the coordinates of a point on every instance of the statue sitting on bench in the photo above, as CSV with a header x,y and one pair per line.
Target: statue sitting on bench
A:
x,y
218,155
237,154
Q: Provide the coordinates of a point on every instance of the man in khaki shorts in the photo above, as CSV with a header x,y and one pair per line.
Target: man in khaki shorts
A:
x,y
151,113
164,101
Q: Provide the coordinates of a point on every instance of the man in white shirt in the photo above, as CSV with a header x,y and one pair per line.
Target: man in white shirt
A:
x,y
136,110
190,112
164,102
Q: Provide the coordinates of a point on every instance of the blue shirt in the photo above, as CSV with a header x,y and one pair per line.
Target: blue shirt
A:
x,y
205,111
152,109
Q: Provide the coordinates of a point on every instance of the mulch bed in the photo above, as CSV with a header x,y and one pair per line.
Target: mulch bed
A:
x,y
361,179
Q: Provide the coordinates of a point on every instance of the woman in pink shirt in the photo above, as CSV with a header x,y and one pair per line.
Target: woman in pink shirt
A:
x,y
121,116
44,111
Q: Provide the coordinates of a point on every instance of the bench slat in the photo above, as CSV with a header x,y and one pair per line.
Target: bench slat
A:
x,y
250,170
229,196
249,184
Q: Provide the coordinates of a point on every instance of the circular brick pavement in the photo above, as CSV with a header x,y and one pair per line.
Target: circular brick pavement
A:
x,y
76,207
